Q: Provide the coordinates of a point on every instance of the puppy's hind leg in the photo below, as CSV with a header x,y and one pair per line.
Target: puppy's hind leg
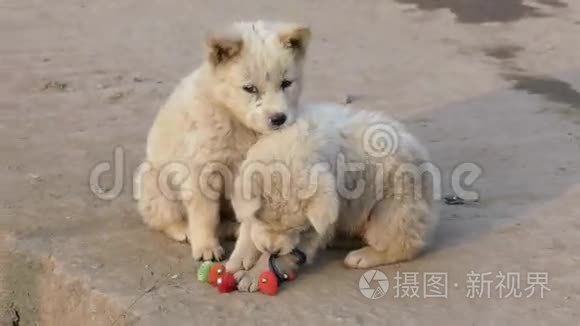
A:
x,y
398,230
160,211
177,231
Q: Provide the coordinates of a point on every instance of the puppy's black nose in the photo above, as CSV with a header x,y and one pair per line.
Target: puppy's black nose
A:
x,y
277,119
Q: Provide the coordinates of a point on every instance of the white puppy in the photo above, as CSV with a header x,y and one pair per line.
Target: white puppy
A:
x,y
249,85
337,170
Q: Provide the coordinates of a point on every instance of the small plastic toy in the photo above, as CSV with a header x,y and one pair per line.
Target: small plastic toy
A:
x,y
268,281
226,283
215,271
203,271
283,277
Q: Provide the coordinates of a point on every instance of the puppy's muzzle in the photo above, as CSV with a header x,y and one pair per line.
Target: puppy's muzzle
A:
x,y
277,120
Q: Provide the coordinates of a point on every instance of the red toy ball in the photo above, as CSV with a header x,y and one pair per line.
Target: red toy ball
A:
x,y
226,283
291,276
267,283
215,272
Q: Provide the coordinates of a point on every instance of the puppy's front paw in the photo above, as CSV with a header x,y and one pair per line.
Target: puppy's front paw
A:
x,y
247,280
207,251
237,262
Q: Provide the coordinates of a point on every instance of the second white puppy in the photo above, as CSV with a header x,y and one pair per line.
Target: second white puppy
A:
x,y
337,170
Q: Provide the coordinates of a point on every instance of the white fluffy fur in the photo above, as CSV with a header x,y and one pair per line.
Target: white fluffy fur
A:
x,y
395,227
209,122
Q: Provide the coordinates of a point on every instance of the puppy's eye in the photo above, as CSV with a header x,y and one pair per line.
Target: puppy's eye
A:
x,y
285,84
250,89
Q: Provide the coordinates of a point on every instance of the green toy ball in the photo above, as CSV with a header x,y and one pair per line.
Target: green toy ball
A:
x,y
203,271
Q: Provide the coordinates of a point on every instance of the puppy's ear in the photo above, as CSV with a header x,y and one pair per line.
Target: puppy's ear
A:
x,y
296,38
223,47
323,209
245,202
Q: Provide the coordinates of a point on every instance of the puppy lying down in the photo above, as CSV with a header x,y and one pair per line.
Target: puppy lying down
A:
x,y
338,170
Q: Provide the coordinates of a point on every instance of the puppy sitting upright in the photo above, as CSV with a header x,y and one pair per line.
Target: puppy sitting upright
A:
x,y
332,173
249,85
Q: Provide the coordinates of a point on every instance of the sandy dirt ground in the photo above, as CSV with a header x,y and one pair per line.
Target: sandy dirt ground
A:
x,y
495,83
